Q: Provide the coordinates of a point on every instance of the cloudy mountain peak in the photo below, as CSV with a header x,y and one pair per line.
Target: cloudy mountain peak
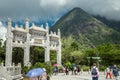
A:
x,y
85,29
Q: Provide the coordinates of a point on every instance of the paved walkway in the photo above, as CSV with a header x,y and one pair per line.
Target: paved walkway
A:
x,y
83,76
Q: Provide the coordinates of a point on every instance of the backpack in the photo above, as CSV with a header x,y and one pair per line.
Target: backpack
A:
x,y
94,71
54,69
115,72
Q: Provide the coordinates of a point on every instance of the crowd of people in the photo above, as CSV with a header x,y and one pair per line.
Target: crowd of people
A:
x,y
75,70
110,72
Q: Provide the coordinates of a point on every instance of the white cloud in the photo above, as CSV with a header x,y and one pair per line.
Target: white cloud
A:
x,y
49,2
108,8
53,8
3,31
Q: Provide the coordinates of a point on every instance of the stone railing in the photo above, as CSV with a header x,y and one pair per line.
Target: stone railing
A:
x,y
10,72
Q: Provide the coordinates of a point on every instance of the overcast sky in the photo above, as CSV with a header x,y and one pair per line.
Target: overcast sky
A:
x,y
20,9
54,9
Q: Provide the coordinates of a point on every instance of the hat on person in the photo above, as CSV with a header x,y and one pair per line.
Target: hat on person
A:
x,y
44,69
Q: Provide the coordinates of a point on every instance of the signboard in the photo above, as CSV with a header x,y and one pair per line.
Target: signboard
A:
x,y
38,41
93,57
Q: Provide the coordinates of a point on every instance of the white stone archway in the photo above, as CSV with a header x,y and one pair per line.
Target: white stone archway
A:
x,y
31,36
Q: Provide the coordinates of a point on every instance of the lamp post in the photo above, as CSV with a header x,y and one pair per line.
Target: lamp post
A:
x,y
90,60
97,54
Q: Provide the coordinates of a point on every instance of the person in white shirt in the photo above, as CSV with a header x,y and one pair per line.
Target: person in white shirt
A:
x,y
94,72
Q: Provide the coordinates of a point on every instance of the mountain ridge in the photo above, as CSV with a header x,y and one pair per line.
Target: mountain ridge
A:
x,y
111,23
77,23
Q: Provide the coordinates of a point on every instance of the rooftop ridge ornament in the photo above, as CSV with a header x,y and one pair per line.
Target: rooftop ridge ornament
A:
x,y
33,24
51,32
47,24
9,26
21,26
41,26
16,26
47,27
58,30
59,33
27,20
27,24
9,20
55,33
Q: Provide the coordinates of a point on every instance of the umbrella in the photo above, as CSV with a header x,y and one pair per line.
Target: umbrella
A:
x,y
35,72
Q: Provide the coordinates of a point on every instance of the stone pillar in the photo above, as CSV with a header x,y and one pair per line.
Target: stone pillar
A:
x,y
59,49
27,25
47,48
26,56
8,58
59,57
47,54
27,45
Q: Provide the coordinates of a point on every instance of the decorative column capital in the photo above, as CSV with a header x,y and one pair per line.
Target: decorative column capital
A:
x,y
27,20
9,19
9,22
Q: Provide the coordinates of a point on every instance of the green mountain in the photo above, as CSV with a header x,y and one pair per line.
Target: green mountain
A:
x,y
111,23
84,29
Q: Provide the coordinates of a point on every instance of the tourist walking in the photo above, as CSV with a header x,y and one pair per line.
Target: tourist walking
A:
x,y
94,72
72,70
116,72
75,70
57,70
64,70
54,70
67,71
78,70
43,76
108,73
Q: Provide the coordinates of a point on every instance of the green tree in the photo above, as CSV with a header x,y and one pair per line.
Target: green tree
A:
x,y
1,42
77,57
74,46
36,54
17,55
53,56
2,51
90,53
109,53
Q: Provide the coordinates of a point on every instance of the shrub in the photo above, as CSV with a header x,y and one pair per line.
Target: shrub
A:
x,y
85,68
68,64
24,70
102,68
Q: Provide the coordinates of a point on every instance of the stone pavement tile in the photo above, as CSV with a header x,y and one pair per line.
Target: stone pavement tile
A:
x,y
83,76
60,76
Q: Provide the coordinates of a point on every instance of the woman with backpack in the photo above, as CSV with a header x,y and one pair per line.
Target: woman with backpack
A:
x,y
54,70
94,72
